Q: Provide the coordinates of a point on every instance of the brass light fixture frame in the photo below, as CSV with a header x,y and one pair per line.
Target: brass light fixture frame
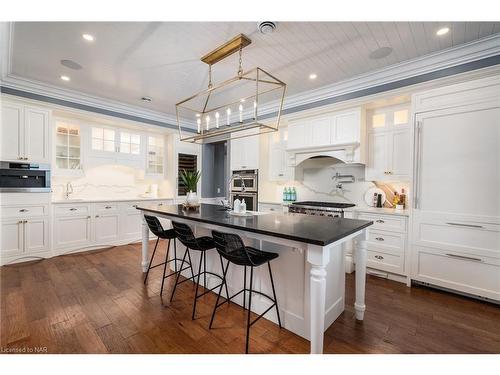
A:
x,y
234,45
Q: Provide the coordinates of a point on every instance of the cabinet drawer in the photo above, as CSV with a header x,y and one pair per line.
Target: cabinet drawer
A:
x,y
70,210
131,206
384,261
385,222
24,211
392,241
478,276
103,208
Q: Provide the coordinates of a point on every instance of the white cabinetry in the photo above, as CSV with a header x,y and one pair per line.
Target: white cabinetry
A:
x,y
25,226
278,159
456,215
386,243
388,144
330,129
25,133
245,152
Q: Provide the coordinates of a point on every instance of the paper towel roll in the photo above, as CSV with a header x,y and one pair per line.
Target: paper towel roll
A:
x,y
154,190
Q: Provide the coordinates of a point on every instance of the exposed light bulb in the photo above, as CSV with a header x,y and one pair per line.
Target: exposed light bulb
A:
x,y
207,120
217,120
241,112
228,116
198,121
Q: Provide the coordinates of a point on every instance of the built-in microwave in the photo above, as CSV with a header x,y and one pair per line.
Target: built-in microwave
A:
x,y
24,177
248,177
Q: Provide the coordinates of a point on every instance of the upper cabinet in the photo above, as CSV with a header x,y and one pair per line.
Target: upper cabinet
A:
x,y
68,148
278,163
25,133
388,145
332,129
155,155
245,152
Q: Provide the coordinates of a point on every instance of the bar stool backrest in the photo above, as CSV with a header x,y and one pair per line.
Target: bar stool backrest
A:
x,y
154,225
185,235
231,247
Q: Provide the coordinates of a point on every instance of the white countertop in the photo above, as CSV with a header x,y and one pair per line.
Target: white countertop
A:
x,y
97,200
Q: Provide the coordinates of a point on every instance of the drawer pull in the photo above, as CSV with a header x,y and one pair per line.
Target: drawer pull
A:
x,y
379,257
271,209
379,239
23,176
73,209
23,210
108,207
465,225
96,215
380,221
88,217
464,257
135,206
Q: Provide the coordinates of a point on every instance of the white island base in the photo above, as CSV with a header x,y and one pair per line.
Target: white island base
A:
x,y
309,279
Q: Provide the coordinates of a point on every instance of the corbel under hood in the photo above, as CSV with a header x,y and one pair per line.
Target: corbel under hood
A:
x,y
348,153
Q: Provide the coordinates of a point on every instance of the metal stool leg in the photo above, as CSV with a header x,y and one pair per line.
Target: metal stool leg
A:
x,y
151,261
178,275
274,294
204,270
190,264
224,271
165,268
249,309
197,284
175,255
227,291
244,285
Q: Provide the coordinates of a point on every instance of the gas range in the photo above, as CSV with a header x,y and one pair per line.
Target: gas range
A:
x,y
331,209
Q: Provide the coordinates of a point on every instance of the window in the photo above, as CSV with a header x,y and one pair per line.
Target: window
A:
x,y
155,155
186,162
401,117
103,139
68,146
378,121
130,143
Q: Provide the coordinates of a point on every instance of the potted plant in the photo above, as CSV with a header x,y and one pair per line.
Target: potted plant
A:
x,y
190,180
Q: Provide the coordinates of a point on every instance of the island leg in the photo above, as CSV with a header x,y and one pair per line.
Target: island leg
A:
x,y
360,260
318,257
145,244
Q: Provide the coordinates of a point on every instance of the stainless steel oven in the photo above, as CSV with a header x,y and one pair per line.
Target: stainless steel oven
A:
x,y
249,178
24,177
250,199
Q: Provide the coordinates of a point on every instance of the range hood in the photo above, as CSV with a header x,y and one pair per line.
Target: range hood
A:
x,y
348,153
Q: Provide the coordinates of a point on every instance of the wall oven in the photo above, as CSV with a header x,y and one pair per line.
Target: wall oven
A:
x,y
250,200
249,177
24,177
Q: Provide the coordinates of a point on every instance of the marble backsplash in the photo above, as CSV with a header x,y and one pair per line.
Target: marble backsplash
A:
x,y
109,182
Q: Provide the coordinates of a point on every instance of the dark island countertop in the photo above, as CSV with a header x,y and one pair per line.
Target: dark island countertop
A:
x,y
317,230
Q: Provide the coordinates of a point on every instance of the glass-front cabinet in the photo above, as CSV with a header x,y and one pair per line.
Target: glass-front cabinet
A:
x,y
155,155
68,156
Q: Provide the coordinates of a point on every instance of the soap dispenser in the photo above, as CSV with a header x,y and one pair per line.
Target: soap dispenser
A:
x,y
243,206
237,205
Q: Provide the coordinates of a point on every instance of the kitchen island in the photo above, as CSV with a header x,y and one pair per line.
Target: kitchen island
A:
x,y
309,273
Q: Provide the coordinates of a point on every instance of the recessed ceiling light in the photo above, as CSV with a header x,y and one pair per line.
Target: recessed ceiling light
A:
x,y
147,99
65,78
88,37
313,76
442,31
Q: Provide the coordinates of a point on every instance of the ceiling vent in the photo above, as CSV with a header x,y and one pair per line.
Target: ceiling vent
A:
x,y
267,27
71,64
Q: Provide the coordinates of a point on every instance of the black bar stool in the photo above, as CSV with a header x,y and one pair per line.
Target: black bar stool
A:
x,y
157,229
202,244
231,247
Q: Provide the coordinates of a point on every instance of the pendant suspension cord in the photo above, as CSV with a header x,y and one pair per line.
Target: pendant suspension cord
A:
x,y
240,68
210,76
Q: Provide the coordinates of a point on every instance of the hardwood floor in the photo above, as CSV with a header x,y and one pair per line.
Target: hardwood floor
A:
x,y
95,302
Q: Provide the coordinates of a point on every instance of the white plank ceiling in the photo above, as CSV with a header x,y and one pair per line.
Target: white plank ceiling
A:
x,y
161,60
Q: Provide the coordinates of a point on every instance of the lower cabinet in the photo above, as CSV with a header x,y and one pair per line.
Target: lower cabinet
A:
x,y
24,237
12,239
72,231
106,228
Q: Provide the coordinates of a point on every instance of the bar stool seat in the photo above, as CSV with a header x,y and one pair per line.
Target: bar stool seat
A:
x,y
167,234
231,247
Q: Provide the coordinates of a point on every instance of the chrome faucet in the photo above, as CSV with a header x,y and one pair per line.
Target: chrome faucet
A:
x,y
243,187
69,190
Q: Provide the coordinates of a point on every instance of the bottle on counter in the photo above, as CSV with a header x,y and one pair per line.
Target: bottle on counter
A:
x,y
294,194
284,194
375,198
243,206
395,199
402,198
237,205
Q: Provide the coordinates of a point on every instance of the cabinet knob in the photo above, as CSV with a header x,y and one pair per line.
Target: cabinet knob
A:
x,y
72,209
96,215
23,210
135,206
380,221
280,174
88,217
379,239
20,221
108,207
379,257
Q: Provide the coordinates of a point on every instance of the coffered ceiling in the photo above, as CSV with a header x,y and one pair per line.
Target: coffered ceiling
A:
x,y
130,60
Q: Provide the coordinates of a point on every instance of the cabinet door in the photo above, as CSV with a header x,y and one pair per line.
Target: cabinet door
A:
x,y
36,131
72,231
131,225
36,235
346,128
299,135
399,153
12,132
250,152
377,156
321,131
236,154
106,228
12,239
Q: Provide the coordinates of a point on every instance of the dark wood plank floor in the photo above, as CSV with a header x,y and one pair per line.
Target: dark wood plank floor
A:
x,y
95,302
